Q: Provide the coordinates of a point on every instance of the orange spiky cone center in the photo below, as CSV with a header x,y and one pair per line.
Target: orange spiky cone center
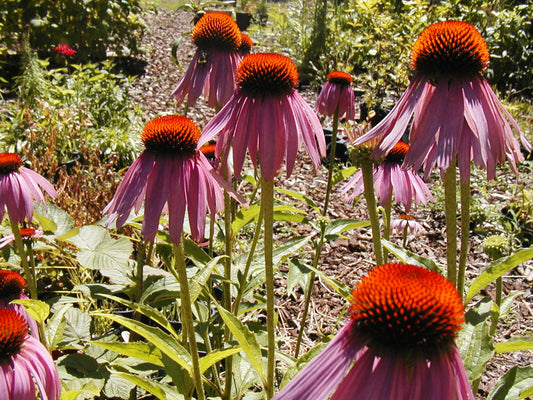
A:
x,y
12,285
340,78
267,74
401,306
13,330
216,30
9,162
406,217
209,150
452,49
246,42
398,152
171,134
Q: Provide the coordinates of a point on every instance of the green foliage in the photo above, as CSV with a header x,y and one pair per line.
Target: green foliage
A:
x,y
90,27
63,111
372,40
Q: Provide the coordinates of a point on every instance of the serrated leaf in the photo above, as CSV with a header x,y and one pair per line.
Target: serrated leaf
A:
x,y
497,269
36,309
77,328
53,219
301,197
409,257
168,345
516,384
140,350
99,251
515,344
474,340
246,340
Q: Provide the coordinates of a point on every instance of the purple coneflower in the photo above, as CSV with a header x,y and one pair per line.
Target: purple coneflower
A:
x,y
212,69
25,234
19,187
389,178
12,286
337,96
246,44
406,223
267,116
170,173
399,343
26,367
455,111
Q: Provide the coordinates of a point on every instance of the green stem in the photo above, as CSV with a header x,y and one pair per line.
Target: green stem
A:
x,y
242,283
267,203
226,295
450,208
186,318
386,226
465,230
331,165
28,272
368,180
498,301
404,243
139,274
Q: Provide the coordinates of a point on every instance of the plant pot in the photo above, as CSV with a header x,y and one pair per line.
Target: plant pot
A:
x,y
243,19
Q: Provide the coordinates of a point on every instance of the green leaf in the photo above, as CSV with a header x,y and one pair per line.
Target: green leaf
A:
x,y
99,251
289,248
150,312
55,326
338,286
497,269
246,340
515,344
53,219
167,344
36,309
243,217
77,328
214,357
197,255
198,282
408,257
339,226
299,196
141,350
298,275
516,384
343,174
507,302
159,390
474,340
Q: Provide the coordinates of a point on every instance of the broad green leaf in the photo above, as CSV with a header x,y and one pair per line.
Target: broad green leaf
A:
x,y
215,356
288,216
515,344
299,196
243,217
516,384
159,390
117,387
167,344
141,350
474,340
55,326
77,328
53,219
246,340
339,226
36,309
497,269
150,312
99,251
408,257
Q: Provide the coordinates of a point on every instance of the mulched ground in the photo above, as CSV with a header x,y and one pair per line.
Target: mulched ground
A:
x,y
345,259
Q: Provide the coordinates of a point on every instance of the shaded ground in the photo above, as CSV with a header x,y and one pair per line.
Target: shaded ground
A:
x,y
345,259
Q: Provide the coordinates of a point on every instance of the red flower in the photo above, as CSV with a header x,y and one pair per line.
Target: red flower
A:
x,y
65,50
